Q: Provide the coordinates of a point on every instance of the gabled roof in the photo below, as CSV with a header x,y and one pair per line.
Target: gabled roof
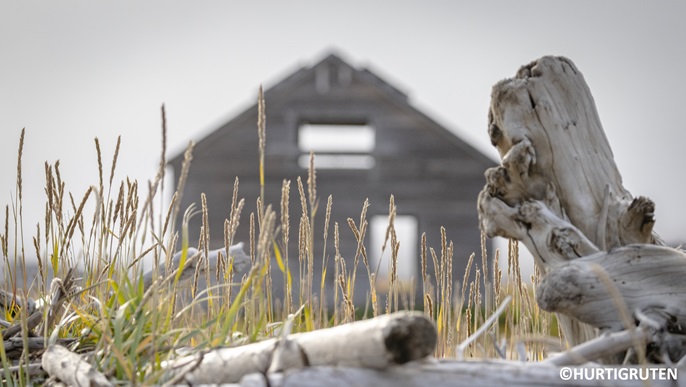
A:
x,y
334,60
393,95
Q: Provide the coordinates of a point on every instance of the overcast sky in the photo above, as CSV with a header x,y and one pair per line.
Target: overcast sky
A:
x,y
71,71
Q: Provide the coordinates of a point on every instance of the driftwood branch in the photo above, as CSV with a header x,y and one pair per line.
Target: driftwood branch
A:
x,y
600,348
375,343
14,346
459,351
71,369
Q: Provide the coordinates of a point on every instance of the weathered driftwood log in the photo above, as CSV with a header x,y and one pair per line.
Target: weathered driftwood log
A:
x,y
237,257
71,369
14,346
375,343
60,291
649,279
641,284
558,189
449,373
12,302
555,371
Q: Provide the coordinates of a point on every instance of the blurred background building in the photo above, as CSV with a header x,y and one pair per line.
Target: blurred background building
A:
x,y
369,143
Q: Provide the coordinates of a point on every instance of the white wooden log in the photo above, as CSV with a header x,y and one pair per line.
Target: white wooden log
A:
x,y
644,281
564,369
374,343
448,373
648,277
71,369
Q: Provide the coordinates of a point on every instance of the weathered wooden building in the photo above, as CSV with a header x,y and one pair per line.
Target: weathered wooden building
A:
x,y
369,142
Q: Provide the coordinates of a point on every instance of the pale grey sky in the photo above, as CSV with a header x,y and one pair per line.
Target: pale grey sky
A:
x,y
74,70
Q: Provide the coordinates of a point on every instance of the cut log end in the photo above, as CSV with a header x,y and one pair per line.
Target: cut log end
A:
x,y
410,338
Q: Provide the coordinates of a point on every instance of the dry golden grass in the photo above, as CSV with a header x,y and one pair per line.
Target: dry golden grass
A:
x,y
126,331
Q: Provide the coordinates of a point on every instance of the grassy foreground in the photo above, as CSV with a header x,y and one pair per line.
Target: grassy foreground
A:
x,y
127,331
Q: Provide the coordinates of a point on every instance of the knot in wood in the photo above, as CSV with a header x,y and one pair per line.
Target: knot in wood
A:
x,y
560,290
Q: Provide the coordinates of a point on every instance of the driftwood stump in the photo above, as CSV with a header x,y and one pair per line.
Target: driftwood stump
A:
x,y
558,191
